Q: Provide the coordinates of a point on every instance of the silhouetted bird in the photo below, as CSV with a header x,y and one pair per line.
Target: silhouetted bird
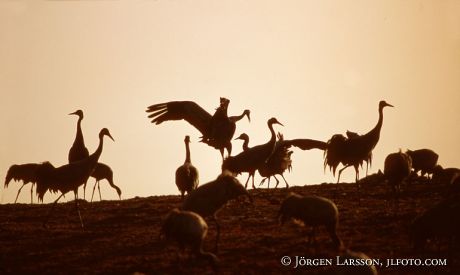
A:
x,y
103,171
397,168
26,173
254,157
68,177
187,176
280,160
78,151
423,160
353,151
217,130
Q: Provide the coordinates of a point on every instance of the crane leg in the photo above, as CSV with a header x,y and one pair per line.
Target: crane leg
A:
x,y
253,186
268,186
277,181
19,191
78,211
218,233
287,185
262,181
94,188
246,185
31,194
51,210
340,172
99,189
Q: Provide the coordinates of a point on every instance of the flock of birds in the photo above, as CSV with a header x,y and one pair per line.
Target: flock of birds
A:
x,y
187,225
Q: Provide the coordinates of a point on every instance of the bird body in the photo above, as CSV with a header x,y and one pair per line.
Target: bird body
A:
x,y
423,160
217,130
78,151
187,176
355,149
397,168
70,176
103,171
210,197
26,173
252,158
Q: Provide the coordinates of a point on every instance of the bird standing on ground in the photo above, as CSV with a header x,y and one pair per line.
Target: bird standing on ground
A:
x,y
78,151
355,150
68,177
217,130
254,157
103,171
26,173
187,176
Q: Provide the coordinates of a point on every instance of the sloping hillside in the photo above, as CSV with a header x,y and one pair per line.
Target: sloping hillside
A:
x,y
122,236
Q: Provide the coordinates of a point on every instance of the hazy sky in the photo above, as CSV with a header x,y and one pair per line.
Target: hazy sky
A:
x,y
319,67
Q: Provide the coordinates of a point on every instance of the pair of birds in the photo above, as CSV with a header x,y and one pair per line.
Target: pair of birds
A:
x,y
352,150
71,176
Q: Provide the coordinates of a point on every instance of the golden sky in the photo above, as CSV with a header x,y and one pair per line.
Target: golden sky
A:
x,y
319,67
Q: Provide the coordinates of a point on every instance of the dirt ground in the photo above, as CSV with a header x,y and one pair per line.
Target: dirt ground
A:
x,y
121,237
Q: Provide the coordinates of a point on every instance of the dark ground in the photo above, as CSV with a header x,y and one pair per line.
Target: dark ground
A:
x,y
122,236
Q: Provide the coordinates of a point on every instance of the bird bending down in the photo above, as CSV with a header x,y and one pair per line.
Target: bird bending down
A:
x,y
68,177
254,157
103,171
217,130
187,176
355,149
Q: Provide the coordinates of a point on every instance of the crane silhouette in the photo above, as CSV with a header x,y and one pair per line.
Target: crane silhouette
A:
x,y
217,130
187,176
78,151
355,149
26,173
103,171
280,160
68,177
251,159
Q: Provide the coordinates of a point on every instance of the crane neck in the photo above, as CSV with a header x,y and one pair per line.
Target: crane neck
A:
x,y
237,118
187,153
273,137
79,137
95,156
246,145
376,130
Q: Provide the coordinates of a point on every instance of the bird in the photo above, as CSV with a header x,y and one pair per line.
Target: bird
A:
x,y
251,159
68,177
103,171
354,150
397,168
217,130
187,176
280,160
78,151
26,173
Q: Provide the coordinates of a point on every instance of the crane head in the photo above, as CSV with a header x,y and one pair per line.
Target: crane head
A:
x,y
274,121
243,136
79,113
187,139
105,132
383,104
248,114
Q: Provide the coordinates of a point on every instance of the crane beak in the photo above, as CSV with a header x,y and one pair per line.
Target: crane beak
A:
x,y
280,123
389,105
249,117
110,136
74,113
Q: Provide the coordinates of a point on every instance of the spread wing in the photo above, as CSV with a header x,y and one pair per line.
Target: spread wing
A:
x,y
306,144
177,110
